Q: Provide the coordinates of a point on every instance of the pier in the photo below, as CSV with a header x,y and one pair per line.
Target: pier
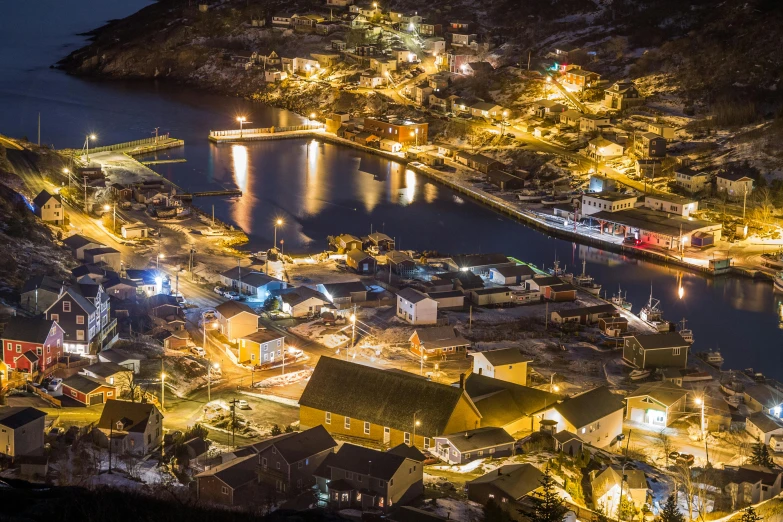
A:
x,y
163,162
134,148
188,196
267,133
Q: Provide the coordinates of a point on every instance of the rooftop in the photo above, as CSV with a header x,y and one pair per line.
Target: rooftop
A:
x,y
654,221
660,340
664,393
589,406
412,295
230,309
516,480
16,417
504,356
480,438
27,329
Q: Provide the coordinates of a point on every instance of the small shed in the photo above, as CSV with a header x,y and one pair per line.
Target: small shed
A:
x,y
504,180
361,262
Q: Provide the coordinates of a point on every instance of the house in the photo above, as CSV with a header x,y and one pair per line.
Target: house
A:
x,y
462,39
735,185
649,145
690,180
368,479
111,373
388,407
303,301
121,288
613,326
403,131
346,242
560,293
274,75
230,483
78,244
401,263
383,66
542,283
747,485
87,390
570,117
581,78
491,296
592,122
661,129
505,364
344,293
31,345
606,201
568,443
479,162
510,275
236,320
596,416
148,282
361,262
448,300
600,183
622,95
485,109
505,181
660,350
548,109
21,431
130,427
103,255
261,347
657,404
648,168
583,315
510,486
438,341
176,339
465,446
197,452
416,307
762,427
380,241
49,208
85,322
251,282
602,149
502,404
671,203
289,464
421,93
134,230
763,397
391,146
162,306
39,293
613,483
479,264
118,357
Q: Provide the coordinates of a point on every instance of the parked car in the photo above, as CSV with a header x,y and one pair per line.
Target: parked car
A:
x,y
233,295
685,459
198,350
55,383
219,290
630,240
243,404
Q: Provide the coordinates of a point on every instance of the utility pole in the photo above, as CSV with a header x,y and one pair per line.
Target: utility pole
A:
x,y
744,199
85,193
162,385
528,60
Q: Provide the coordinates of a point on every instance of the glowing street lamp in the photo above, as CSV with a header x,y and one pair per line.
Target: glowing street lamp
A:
x,y
210,366
160,256
278,223
290,349
114,208
241,120
87,145
700,402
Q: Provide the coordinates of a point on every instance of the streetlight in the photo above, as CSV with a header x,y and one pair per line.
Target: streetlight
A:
x,y
290,349
160,256
114,207
241,120
552,385
502,123
353,332
416,423
87,145
278,222
209,378
700,402
312,115
162,390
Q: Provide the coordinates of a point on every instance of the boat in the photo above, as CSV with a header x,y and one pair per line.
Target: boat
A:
x,y
557,271
712,358
687,335
586,282
778,282
653,315
557,200
531,196
691,375
638,375
619,300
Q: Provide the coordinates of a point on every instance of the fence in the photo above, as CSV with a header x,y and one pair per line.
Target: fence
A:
x,y
129,144
45,396
236,133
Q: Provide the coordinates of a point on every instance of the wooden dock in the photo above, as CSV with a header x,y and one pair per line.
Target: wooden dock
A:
x,y
263,134
188,196
163,162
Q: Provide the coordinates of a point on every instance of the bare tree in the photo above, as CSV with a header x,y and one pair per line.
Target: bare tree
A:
x,y
683,477
126,382
665,445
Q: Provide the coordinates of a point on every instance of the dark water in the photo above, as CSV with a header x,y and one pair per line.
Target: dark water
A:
x,y
321,189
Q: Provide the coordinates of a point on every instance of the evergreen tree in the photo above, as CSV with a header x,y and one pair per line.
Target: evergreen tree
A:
x,y
276,430
761,456
670,513
549,505
749,515
493,513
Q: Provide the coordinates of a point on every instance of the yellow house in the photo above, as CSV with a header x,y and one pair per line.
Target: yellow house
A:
x,y
507,364
261,347
236,320
387,407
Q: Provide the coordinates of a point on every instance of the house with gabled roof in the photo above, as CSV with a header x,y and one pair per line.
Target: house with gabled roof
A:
x,y
38,293
86,321
659,350
342,294
22,431
763,427
230,483
656,403
236,320
505,364
750,484
465,446
261,346
622,95
510,275
302,301
612,483
595,415
49,207
87,391
416,307
763,397
288,464
31,345
368,479
734,184
130,427
438,341
385,407
78,244
112,373
511,487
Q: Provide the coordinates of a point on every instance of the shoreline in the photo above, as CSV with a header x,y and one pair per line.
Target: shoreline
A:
x,y
526,217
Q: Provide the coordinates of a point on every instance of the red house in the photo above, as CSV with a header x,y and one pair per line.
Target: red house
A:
x,y
31,345
88,390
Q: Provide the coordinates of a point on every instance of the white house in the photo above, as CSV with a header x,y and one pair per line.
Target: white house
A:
x,y
612,483
691,180
763,427
510,275
596,416
734,184
415,307
671,204
608,201
602,149
303,302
